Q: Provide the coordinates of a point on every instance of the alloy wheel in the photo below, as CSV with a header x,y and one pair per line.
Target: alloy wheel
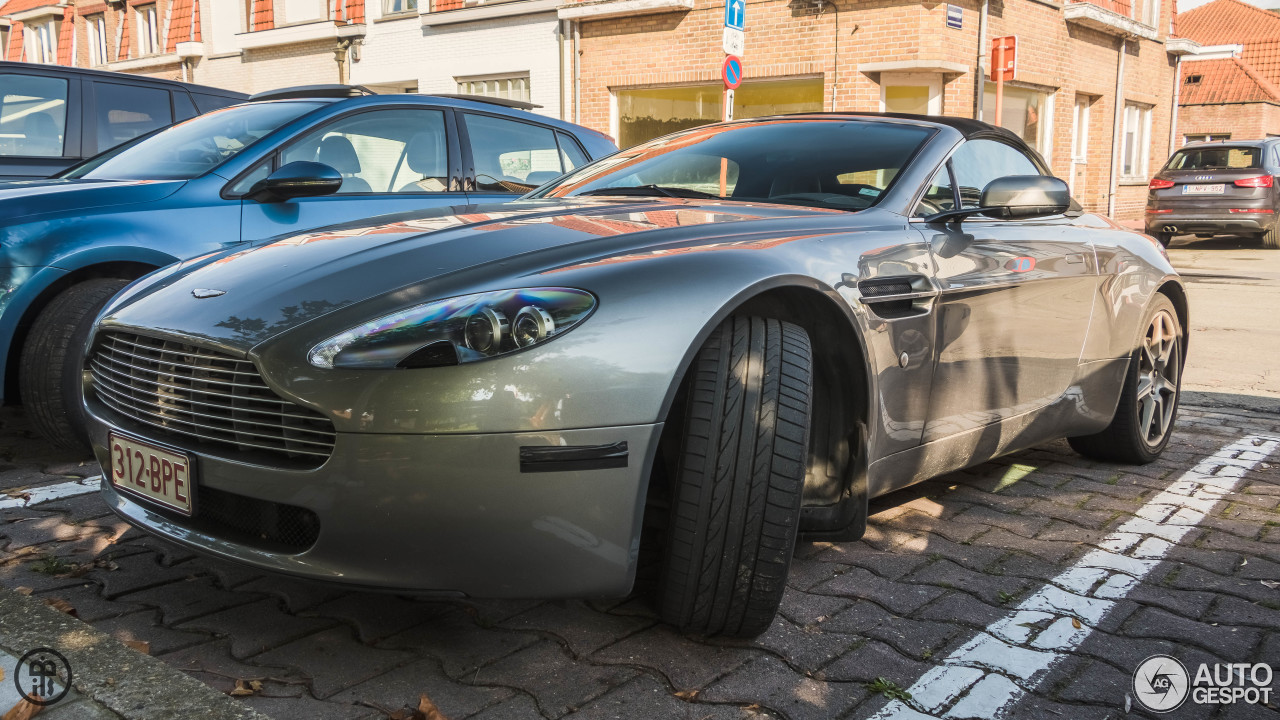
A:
x,y
1159,369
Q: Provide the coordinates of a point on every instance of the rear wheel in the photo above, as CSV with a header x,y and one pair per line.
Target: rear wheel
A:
x,y
49,374
738,479
1271,238
1149,401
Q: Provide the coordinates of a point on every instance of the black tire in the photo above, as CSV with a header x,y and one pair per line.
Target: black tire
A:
x,y
49,374
1164,238
1271,238
1130,438
739,478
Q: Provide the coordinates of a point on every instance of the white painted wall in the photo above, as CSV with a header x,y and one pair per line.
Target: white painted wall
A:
x,y
402,50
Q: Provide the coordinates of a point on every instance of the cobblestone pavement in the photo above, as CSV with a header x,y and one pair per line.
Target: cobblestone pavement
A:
x,y
941,567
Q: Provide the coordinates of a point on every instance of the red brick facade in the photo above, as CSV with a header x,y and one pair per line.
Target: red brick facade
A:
x,y
832,40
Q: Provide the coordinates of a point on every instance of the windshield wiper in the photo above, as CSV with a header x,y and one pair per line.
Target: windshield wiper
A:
x,y
675,192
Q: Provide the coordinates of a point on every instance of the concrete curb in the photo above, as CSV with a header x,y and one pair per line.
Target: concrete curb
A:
x,y
142,687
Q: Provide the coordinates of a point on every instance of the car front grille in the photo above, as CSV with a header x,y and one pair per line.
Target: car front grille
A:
x,y
187,391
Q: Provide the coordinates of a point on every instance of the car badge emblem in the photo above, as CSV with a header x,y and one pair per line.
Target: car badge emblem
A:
x,y
1204,177
203,293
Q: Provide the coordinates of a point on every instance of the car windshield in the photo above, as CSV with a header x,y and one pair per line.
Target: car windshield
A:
x,y
837,164
192,148
1216,158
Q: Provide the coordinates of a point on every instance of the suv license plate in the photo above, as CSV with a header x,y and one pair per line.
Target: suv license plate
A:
x,y
159,475
1215,189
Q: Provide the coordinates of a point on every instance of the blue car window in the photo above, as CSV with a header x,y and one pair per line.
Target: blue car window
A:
x,y
511,156
33,115
380,151
978,162
192,148
570,154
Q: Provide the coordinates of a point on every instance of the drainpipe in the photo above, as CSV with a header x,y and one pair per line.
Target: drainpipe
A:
x,y
577,73
980,75
1173,118
560,78
1117,131
340,55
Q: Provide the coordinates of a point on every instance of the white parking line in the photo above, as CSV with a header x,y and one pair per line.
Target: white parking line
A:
x,y
987,675
34,496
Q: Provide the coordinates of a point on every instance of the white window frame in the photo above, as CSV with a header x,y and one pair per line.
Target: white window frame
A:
x,y
96,32
932,81
1080,129
406,6
1202,137
1149,13
1137,118
466,85
40,43
148,33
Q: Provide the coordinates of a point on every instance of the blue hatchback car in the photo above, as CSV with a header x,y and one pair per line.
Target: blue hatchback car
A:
x,y
297,160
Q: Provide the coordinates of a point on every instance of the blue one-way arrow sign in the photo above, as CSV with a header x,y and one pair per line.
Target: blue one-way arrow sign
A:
x,y
735,12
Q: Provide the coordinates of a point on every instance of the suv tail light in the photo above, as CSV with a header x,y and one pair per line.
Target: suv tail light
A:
x,y
1158,184
1256,182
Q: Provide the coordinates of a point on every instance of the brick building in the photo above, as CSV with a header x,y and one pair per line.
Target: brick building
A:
x,y
507,49
1093,92
1231,85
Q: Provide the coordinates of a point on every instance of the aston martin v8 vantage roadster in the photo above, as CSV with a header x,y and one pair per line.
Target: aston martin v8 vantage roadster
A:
x,y
679,357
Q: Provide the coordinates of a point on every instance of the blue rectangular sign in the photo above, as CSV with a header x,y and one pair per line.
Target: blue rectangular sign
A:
x,y
735,12
955,17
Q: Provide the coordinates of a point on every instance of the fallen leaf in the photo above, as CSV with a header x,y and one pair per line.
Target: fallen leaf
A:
x,y
22,590
141,646
61,606
23,710
1075,623
245,688
1274,585
1,674
428,709
687,695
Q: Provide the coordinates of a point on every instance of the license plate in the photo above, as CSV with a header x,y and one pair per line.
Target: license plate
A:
x,y
1215,189
159,475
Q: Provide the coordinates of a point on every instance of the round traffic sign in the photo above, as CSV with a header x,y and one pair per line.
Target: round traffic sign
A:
x,y
732,72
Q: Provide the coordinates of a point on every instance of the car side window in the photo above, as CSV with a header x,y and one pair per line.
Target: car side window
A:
x,y
570,154
127,111
381,151
182,106
978,162
33,115
939,197
512,156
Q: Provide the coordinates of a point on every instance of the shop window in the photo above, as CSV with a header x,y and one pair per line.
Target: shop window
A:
x,y
1028,113
507,87
647,113
1135,152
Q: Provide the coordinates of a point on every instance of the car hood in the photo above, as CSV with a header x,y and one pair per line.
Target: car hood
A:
x,y
266,290
26,199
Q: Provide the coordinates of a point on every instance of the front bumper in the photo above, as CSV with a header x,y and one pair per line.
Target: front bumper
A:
x,y
447,514
1217,223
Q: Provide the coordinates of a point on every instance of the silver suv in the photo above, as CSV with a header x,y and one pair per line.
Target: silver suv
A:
x,y
1217,188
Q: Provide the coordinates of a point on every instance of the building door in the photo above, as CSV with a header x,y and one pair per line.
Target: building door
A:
x,y
911,93
1079,144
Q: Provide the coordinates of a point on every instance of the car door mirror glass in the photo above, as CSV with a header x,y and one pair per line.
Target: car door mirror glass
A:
x,y
297,179
1025,196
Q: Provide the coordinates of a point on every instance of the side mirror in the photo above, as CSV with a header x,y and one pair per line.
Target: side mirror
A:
x,y
1025,196
295,180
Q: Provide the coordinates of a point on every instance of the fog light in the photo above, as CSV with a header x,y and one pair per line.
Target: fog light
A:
x,y
485,331
532,324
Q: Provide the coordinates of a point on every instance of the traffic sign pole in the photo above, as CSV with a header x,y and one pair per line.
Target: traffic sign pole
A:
x,y
999,85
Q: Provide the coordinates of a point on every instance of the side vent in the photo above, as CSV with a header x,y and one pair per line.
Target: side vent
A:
x,y
891,297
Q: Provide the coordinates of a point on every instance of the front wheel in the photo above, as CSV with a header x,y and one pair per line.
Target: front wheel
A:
x,y
1149,401
738,480
49,374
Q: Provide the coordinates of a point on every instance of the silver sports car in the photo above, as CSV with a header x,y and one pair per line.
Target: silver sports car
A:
x,y
678,357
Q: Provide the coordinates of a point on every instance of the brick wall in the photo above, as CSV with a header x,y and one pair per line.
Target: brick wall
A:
x,y
1242,121
788,39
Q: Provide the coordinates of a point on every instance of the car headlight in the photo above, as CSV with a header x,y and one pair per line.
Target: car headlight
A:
x,y
457,330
